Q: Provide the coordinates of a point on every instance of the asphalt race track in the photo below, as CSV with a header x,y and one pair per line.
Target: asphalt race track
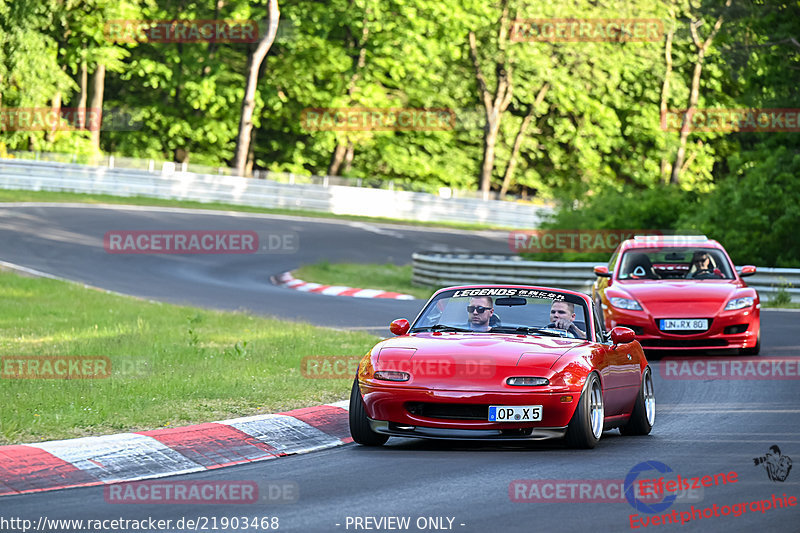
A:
x,y
703,427
68,242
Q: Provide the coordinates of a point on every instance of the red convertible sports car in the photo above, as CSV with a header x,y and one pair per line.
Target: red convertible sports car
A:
x,y
503,362
679,292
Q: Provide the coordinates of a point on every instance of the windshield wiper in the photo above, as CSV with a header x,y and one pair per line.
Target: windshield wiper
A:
x,y
443,327
530,331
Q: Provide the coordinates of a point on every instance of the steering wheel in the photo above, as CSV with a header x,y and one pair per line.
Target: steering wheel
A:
x,y
707,273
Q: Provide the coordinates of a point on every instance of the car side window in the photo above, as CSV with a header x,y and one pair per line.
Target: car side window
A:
x,y
612,263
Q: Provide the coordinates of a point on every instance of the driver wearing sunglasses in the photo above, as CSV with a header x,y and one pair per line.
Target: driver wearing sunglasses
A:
x,y
480,311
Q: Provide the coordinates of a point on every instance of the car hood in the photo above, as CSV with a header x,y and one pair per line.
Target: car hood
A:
x,y
470,361
681,298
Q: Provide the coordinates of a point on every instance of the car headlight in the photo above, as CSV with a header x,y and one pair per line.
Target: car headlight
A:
x,y
625,303
526,381
740,303
392,375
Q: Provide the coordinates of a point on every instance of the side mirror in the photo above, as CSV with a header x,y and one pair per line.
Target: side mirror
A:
x,y
602,271
620,335
401,326
747,270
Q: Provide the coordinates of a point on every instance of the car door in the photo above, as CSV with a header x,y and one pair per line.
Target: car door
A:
x,y
620,370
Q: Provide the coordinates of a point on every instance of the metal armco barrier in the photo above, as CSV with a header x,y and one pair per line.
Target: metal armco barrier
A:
x,y
434,269
51,176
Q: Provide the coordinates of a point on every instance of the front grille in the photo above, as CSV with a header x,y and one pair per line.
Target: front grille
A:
x,y
680,343
449,411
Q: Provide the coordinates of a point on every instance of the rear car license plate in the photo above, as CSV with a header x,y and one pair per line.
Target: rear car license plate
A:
x,y
517,413
685,324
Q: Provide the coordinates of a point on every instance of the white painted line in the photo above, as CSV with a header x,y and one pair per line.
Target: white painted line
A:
x,y
31,271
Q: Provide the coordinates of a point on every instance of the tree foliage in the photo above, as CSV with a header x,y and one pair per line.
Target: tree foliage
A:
x,y
594,142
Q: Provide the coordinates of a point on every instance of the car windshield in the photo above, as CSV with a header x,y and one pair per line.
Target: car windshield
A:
x,y
505,310
674,263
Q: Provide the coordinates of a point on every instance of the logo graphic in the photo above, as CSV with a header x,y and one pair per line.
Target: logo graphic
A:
x,y
778,466
638,504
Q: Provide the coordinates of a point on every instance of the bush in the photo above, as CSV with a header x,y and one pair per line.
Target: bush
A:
x,y
631,209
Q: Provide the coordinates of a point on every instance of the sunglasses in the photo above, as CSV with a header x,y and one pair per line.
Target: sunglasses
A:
x,y
478,308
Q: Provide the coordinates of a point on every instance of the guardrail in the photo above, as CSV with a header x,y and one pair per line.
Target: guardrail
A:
x,y
171,184
435,269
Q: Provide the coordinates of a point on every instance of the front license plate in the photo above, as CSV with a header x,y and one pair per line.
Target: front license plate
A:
x,y
518,413
699,324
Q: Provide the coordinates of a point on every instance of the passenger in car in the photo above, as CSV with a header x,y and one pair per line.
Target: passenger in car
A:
x,y
562,316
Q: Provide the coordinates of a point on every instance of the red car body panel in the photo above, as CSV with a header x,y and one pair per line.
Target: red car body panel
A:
x,y
681,298
455,372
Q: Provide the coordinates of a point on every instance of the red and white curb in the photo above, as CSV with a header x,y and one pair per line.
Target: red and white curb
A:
x,y
157,453
287,280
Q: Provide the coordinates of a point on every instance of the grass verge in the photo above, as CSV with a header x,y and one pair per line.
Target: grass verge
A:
x,y
171,365
15,195
769,304
386,277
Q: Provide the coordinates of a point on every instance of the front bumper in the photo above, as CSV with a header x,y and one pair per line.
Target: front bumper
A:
x,y
459,414
728,330
530,433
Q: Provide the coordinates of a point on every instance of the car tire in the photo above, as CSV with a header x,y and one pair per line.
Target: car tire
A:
x,y
755,350
360,429
586,426
644,411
